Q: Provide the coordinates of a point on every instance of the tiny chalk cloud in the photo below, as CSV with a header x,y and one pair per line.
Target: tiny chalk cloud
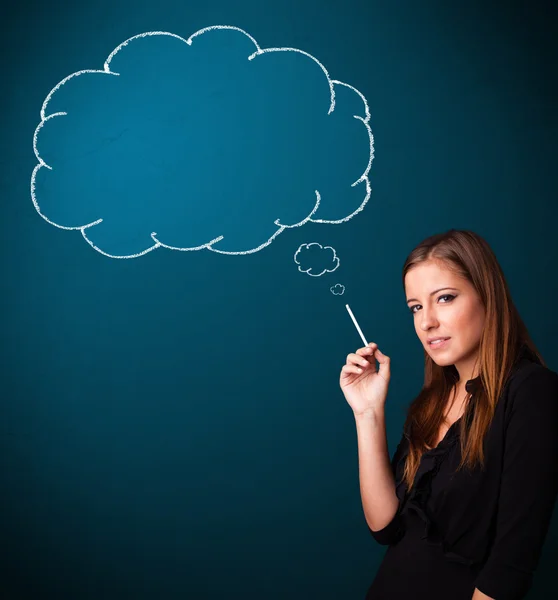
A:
x,y
209,142
337,290
315,259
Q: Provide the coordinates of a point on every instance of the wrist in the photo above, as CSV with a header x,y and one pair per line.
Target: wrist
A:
x,y
370,414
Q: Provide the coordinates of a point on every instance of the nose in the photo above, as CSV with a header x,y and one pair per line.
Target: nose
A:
x,y
428,319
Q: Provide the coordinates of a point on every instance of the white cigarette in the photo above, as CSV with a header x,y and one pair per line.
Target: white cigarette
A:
x,y
356,325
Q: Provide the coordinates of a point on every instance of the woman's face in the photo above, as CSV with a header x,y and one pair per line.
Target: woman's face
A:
x,y
439,311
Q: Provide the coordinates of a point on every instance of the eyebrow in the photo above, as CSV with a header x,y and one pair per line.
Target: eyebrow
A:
x,y
434,292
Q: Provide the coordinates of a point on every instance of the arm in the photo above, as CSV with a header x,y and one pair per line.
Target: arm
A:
x,y
478,595
528,489
377,481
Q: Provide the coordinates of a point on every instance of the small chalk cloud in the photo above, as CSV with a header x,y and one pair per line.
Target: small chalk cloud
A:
x,y
337,290
315,259
208,142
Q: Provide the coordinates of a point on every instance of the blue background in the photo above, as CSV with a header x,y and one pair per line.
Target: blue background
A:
x,y
172,426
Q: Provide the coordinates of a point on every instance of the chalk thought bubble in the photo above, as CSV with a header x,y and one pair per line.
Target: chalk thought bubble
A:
x,y
209,142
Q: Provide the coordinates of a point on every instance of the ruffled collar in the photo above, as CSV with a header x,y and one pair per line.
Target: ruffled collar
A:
x,y
473,384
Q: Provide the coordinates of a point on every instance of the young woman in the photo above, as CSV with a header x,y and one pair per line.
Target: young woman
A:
x,y
465,503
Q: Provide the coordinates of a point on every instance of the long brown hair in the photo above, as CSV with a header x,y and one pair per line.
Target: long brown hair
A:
x,y
470,257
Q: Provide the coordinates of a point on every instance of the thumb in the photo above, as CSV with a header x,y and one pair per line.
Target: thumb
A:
x,y
382,358
384,371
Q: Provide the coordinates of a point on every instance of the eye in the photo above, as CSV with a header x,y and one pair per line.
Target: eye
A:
x,y
451,296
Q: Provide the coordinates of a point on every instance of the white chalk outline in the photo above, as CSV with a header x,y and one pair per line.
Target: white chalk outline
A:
x,y
334,286
208,245
335,258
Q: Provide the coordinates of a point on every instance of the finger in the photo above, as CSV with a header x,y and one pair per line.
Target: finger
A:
x,y
351,369
369,350
366,351
356,359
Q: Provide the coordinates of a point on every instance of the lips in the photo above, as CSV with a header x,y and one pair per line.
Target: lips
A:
x,y
439,340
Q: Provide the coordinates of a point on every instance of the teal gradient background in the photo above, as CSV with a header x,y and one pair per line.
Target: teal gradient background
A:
x,y
172,426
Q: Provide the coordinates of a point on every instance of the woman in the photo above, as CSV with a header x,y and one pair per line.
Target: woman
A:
x,y
466,501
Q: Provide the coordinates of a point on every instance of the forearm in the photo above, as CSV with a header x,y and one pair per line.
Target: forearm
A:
x,y
478,595
377,484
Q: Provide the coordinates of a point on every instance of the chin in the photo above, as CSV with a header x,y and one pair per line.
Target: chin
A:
x,y
442,362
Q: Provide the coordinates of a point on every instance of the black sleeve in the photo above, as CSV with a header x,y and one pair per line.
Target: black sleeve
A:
x,y
528,489
394,530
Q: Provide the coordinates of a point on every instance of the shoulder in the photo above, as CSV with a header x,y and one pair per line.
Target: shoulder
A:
x,y
529,373
533,387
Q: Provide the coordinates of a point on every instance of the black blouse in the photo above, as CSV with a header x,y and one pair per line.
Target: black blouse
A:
x,y
494,520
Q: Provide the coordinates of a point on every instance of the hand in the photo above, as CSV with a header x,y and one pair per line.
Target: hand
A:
x,y
364,387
